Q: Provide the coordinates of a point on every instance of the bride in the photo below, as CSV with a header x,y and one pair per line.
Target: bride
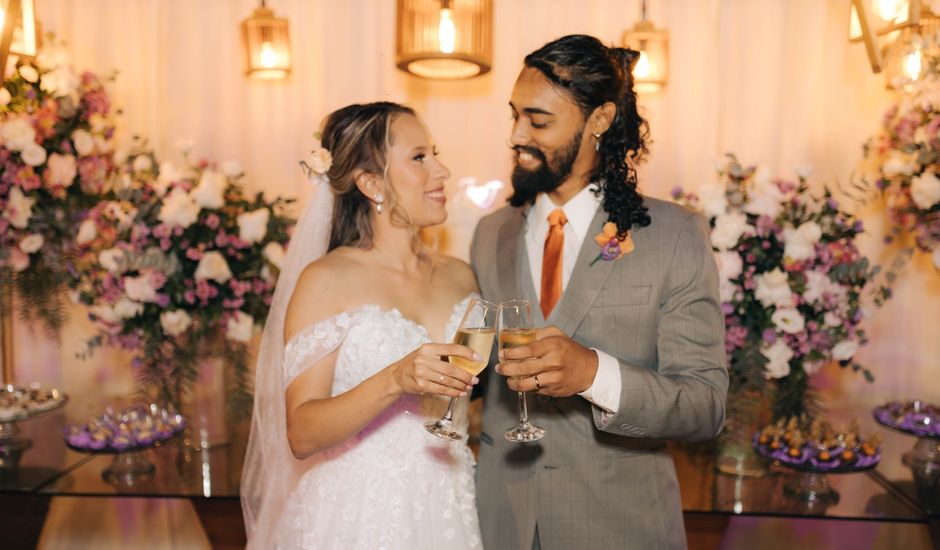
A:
x,y
347,374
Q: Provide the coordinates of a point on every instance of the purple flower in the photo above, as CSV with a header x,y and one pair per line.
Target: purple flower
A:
x,y
611,250
769,336
727,308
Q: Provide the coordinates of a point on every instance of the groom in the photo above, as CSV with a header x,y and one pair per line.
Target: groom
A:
x,y
631,353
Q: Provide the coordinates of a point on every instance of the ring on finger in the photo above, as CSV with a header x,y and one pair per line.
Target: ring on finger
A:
x,y
440,379
537,385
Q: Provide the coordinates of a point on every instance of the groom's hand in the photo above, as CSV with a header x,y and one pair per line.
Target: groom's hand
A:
x,y
553,365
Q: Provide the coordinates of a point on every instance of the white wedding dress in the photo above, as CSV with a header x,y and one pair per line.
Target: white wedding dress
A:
x,y
393,485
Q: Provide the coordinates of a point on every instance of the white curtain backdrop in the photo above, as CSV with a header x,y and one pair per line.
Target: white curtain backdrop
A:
x,y
774,81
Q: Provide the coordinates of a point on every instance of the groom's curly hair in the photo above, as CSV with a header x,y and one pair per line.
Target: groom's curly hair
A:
x,y
592,74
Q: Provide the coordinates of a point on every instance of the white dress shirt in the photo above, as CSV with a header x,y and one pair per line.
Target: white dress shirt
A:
x,y
580,210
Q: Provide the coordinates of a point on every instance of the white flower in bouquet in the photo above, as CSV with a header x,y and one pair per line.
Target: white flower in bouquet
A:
x,y
213,266
817,285
726,290
832,319
232,169
17,133
899,163
169,173
120,156
33,155
104,313
84,142
845,350
110,258
140,289
925,190
729,228
32,243
29,74
52,57
5,97
123,214
253,226
19,208
773,289
125,309
210,193
87,232
142,163
179,209
60,82
62,169
239,327
730,264
713,199
800,242
175,322
788,320
765,198
778,357
274,253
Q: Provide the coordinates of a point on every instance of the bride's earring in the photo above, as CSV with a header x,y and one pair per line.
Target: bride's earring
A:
x,y
597,141
379,199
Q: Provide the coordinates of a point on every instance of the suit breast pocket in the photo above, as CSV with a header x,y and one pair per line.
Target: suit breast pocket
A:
x,y
624,295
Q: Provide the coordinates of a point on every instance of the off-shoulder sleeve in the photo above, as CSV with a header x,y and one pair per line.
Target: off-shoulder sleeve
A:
x,y
312,344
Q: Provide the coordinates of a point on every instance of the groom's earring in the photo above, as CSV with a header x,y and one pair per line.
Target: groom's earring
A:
x,y
379,199
597,141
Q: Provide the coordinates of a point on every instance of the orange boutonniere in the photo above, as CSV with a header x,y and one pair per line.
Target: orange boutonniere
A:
x,y
612,246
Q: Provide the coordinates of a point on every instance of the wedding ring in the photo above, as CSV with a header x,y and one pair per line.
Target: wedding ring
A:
x,y
441,379
537,385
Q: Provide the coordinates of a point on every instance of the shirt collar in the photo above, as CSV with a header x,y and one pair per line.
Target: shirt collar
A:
x,y
579,210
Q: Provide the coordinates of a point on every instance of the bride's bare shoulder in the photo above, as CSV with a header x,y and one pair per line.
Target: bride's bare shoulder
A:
x,y
325,287
456,272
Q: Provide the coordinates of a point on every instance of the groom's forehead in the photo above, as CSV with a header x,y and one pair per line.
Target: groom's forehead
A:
x,y
533,93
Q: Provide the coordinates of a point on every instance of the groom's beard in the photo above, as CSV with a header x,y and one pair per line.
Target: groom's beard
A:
x,y
527,184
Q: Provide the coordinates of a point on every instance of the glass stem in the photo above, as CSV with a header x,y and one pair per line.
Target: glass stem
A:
x,y
523,410
449,415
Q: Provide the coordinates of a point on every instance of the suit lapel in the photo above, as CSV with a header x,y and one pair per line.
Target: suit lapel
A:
x,y
586,281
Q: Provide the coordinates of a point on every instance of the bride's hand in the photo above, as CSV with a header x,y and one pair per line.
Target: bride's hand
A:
x,y
426,370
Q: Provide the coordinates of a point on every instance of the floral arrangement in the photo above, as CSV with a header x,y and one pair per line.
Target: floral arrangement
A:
x,y
903,161
56,131
613,246
792,281
179,264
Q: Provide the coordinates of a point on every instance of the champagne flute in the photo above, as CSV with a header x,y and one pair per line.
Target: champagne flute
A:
x,y
515,329
477,330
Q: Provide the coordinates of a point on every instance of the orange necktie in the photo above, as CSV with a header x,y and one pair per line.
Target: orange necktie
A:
x,y
552,261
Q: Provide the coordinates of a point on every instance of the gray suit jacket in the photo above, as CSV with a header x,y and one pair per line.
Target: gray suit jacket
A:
x,y
596,480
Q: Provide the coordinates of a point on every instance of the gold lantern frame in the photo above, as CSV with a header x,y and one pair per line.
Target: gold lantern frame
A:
x,y
18,35
444,39
266,40
652,43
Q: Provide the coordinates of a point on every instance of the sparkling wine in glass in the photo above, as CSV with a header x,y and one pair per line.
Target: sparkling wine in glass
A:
x,y
515,329
477,331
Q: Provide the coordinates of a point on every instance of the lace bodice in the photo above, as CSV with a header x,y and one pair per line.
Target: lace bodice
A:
x,y
393,485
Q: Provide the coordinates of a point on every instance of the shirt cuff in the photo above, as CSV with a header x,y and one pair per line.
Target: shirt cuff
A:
x,y
605,391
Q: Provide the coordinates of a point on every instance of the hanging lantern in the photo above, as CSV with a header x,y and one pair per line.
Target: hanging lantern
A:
x,y
267,44
651,70
902,37
444,39
18,24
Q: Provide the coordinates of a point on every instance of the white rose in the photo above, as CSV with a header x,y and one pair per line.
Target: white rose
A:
x,y
125,309
713,199
33,154
29,74
728,229
62,170
179,209
142,163
232,168
320,160
109,259
253,226
19,208
897,164
84,142
61,82
213,266
175,322
831,319
169,173
239,327
139,289
925,190
800,242
788,320
31,243
726,290
5,97
764,198
104,313
274,253
845,350
210,193
87,232
120,156
773,289
17,133
936,257
778,357
730,264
